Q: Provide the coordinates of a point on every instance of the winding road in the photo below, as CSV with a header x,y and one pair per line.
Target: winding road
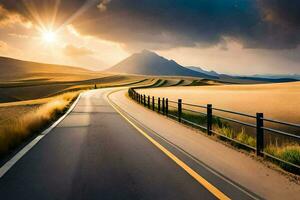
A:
x,y
98,152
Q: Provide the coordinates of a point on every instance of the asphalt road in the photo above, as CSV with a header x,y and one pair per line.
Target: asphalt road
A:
x,y
95,154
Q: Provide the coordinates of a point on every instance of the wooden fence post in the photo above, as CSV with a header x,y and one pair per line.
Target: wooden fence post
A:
x,y
163,106
209,119
179,109
158,102
141,99
167,106
144,100
153,103
259,134
149,102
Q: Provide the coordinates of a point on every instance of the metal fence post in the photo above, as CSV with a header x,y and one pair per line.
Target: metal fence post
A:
x,y
259,134
158,102
153,103
167,106
209,119
179,109
148,101
163,106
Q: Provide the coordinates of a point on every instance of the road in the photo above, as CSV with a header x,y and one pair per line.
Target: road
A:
x,y
94,153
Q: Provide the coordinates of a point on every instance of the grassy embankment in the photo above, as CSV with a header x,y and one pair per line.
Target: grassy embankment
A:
x,y
29,119
288,152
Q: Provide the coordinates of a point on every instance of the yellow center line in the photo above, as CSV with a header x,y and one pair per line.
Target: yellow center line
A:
x,y
216,192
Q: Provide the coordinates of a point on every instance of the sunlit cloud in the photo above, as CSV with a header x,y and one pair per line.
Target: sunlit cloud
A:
x,y
73,31
9,18
73,51
103,5
203,31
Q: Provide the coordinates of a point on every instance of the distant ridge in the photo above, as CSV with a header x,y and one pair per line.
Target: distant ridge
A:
x,y
199,69
12,69
256,78
149,63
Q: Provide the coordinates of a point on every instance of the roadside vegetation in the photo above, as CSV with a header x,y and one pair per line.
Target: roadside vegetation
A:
x,y
286,152
14,131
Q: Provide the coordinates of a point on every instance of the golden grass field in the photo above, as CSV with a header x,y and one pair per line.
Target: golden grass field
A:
x,y
19,122
32,106
279,101
12,92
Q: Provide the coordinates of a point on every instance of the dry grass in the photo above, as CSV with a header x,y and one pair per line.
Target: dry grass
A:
x,y
279,101
43,88
14,131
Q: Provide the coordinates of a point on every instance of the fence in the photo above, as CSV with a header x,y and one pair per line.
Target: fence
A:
x,y
211,122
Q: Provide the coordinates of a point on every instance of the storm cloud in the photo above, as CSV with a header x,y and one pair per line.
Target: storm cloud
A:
x,y
164,24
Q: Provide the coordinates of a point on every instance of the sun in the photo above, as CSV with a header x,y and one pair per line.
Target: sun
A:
x,y
49,36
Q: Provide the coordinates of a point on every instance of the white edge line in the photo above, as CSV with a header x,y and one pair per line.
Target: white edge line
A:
x,y
25,149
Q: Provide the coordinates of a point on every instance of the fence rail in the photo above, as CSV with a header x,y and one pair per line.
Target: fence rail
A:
x,y
179,113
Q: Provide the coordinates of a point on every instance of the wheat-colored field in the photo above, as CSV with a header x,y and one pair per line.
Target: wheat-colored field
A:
x,y
279,101
21,120
42,88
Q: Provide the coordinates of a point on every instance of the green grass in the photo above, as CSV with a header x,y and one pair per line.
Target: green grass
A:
x,y
245,138
287,152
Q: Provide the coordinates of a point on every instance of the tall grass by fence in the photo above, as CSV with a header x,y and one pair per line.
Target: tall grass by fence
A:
x,y
255,133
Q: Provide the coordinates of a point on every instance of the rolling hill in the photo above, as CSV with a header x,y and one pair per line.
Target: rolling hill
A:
x,y
149,63
18,70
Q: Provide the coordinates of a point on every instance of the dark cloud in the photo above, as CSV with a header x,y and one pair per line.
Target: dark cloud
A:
x,y
267,24
285,12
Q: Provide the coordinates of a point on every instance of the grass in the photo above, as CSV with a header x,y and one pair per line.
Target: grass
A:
x,y
246,138
276,101
43,88
287,152
15,131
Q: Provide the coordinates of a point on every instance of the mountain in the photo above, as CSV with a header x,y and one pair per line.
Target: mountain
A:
x,y
250,79
278,76
149,63
199,69
13,69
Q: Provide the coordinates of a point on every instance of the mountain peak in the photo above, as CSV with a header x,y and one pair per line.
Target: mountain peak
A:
x,y
149,63
148,52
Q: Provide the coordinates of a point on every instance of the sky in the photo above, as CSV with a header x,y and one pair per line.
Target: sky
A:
x,y
228,36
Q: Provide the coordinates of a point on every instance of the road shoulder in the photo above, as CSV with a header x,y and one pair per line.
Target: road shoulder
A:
x,y
242,170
